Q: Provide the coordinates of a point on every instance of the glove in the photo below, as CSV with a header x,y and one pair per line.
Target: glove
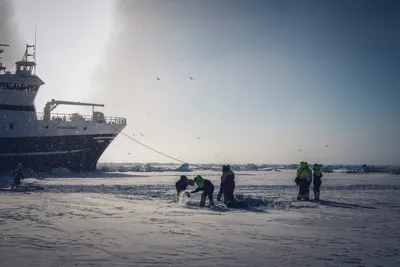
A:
x,y
296,180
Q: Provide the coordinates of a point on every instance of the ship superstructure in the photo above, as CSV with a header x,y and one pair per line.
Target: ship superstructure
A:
x,y
46,140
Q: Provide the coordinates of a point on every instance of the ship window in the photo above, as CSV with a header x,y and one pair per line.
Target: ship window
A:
x,y
11,126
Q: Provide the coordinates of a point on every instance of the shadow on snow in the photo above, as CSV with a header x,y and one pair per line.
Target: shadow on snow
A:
x,y
343,205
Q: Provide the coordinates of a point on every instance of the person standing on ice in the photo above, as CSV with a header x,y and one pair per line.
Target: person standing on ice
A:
x,y
208,190
18,175
317,180
181,185
227,186
303,179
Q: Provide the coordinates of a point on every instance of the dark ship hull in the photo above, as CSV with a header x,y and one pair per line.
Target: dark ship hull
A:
x,y
74,152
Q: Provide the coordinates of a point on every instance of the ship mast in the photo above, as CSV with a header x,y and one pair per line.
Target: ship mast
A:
x,y
34,51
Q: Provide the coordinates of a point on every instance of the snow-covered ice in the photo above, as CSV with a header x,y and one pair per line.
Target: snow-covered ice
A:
x,y
134,221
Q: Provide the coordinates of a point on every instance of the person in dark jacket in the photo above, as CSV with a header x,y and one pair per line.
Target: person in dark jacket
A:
x,y
18,175
227,186
317,180
182,184
208,190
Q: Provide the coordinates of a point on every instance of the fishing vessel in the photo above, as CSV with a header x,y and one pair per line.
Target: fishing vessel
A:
x,y
46,140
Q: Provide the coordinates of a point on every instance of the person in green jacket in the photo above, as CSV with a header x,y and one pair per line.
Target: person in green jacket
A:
x,y
317,180
303,180
208,190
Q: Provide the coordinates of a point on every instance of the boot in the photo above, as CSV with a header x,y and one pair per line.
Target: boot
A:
x,y
306,197
203,200
212,201
316,195
299,197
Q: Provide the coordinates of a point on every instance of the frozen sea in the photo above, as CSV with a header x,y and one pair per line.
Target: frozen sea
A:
x,y
133,220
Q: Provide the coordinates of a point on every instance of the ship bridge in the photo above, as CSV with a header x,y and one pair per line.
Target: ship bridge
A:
x,y
18,90
24,68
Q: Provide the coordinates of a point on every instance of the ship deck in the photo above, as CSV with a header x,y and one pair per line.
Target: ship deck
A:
x,y
85,118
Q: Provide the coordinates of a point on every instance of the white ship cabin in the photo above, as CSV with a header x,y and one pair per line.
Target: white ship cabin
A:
x,y
18,90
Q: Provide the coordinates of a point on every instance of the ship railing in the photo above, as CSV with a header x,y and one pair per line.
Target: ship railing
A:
x,y
86,118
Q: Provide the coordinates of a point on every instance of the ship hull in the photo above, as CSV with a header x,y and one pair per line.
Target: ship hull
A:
x,y
44,153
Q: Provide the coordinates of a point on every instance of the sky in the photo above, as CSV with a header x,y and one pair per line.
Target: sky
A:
x,y
270,77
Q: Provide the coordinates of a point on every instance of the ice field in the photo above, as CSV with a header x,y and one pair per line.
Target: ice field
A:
x,y
133,220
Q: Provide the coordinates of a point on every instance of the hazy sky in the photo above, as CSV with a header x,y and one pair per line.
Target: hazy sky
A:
x,y
271,77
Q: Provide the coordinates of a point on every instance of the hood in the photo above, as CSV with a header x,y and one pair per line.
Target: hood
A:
x,y
198,179
317,166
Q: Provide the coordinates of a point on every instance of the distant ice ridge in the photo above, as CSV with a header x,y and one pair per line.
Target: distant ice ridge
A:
x,y
104,168
169,167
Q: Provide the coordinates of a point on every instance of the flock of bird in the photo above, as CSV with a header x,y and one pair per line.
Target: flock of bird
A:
x,y
198,138
301,149
158,78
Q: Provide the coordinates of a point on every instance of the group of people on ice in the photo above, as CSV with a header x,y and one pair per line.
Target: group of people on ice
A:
x,y
304,178
227,188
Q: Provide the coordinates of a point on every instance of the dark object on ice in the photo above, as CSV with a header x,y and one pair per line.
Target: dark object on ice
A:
x,y
38,187
236,204
227,186
208,190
